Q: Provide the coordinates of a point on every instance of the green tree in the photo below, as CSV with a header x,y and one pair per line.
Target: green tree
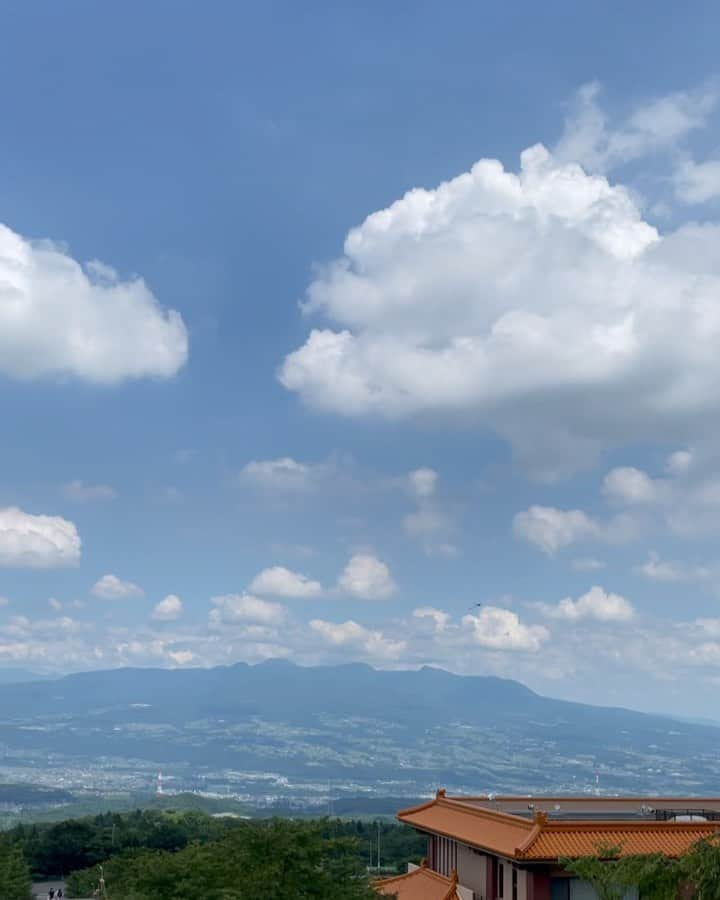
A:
x,y
701,868
654,875
273,860
15,881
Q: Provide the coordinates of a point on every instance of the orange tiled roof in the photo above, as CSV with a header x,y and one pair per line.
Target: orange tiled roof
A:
x,y
556,839
497,832
517,837
420,884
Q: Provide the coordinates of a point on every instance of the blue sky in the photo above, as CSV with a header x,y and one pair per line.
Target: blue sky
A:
x,y
325,431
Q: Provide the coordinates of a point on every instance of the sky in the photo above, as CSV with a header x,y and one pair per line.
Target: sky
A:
x,y
374,332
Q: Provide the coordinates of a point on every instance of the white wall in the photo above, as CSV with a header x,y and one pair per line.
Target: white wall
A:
x,y
471,869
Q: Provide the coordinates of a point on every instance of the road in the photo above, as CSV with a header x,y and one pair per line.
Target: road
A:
x,y
41,888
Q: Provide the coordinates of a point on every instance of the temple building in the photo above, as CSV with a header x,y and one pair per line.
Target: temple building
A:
x,y
509,848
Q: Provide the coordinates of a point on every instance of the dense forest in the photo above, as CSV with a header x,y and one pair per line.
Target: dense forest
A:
x,y
165,854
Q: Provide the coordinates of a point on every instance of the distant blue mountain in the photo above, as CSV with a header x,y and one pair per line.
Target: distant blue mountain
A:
x,y
357,723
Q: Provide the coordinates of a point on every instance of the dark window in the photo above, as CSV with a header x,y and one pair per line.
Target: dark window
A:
x,y
501,880
514,883
559,889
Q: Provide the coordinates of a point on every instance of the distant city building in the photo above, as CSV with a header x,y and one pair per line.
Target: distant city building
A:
x,y
509,848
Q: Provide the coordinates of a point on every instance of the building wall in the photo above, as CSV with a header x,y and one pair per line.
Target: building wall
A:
x,y
472,870
442,854
479,872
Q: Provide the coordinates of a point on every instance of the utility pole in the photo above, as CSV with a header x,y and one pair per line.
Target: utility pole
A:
x,y
378,865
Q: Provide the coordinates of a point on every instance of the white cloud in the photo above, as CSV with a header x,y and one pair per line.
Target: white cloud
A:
x,y
110,587
697,182
79,492
501,629
181,657
595,604
552,529
657,569
438,617
4,601
659,124
168,610
350,633
22,626
630,485
281,582
367,577
686,501
58,318
429,523
679,463
522,301
37,542
54,604
284,474
423,482
237,609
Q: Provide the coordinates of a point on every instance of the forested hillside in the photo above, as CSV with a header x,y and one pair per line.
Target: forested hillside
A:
x,y
152,855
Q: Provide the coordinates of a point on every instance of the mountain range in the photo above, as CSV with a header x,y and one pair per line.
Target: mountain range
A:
x,y
277,729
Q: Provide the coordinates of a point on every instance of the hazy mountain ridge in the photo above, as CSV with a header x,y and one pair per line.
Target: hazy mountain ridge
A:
x,y
228,728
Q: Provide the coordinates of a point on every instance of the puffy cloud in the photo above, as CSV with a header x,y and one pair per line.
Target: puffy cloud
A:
x,y
438,617
367,577
350,633
59,318
630,485
168,609
522,301
686,501
110,587
595,604
697,182
552,529
37,542
238,609
22,627
281,582
423,482
54,604
501,629
659,124
79,492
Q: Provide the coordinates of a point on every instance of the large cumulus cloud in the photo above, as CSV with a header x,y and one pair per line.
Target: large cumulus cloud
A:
x,y
59,318
539,303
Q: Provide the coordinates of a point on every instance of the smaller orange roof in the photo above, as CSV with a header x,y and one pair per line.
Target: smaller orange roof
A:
x,y
420,884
